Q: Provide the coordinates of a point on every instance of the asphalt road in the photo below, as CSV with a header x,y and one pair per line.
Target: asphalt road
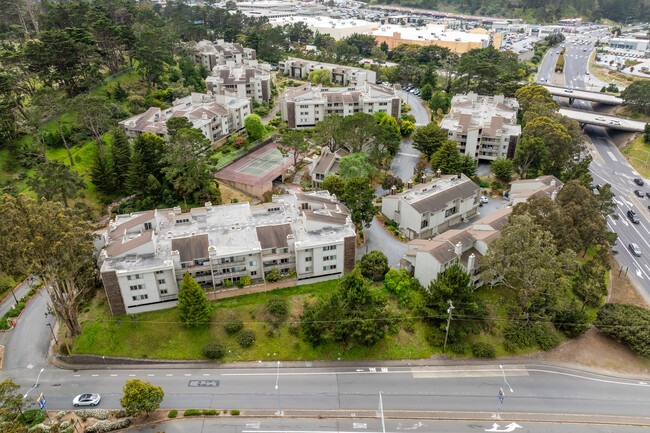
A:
x,y
610,167
10,300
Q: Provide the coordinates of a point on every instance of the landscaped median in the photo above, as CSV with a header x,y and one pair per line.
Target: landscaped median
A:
x,y
9,320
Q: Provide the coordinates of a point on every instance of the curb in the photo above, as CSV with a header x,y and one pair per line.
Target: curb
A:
x,y
388,231
15,288
23,310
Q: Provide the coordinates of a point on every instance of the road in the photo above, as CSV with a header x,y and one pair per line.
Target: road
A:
x,y
610,167
20,291
604,120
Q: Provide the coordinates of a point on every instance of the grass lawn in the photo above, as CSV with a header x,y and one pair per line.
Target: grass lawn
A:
x,y
637,153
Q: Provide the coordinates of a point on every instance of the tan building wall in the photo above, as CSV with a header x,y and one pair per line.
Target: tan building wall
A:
x,y
457,47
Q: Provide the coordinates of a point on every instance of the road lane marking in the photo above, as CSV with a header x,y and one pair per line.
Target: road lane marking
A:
x,y
187,374
131,375
611,155
113,375
169,375
151,375
206,374
95,375
442,372
76,375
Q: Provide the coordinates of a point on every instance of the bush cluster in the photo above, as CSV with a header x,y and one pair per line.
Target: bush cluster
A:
x,y
106,425
528,334
214,350
234,412
32,417
246,338
273,275
210,412
192,412
628,324
277,307
172,413
93,413
233,326
483,350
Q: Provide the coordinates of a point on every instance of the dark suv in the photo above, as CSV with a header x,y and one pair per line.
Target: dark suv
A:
x,y
633,217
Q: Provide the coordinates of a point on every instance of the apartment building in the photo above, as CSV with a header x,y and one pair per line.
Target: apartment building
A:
x,y
243,81
521,190
214,115
219,52
326,164
427,209
304,106
426,259
341,75
485,127
146,254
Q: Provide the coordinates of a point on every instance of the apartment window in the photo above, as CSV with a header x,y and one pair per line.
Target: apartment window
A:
x,y
182,221
140,297
450,212
329,268
137,287
383,104
163,292
308,259
253,263
329,248
284,260
148,226
424,224
134,277
326,258
161,281
159,272
308,268
253,273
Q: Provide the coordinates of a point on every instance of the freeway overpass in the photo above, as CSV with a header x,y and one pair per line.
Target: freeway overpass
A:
x,y
607,121
572,94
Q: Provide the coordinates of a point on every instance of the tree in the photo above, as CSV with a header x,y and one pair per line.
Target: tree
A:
x,y
530,154
141,397
153,48
355,165
51,241
120,153
334,184
389,122
373,264
52,103
428,139
384,47
502,169
637,95
93,115
407,128
646,133
321,76
10,399
391,181
146,161
325,130
426,92
353,314
363,43
101,173
254,126
440,101
453,284
446,158
557,140
399,282
293,142
56,181
535,95
524,259
359,198
194,309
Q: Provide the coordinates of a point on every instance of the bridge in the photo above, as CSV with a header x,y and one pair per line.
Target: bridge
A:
x,y
607,121
603,98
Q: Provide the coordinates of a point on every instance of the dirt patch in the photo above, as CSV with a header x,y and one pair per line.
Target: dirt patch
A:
x,y
596,350
228,194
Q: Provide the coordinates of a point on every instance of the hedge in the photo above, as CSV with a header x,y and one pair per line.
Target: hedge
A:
x,y
627,324
192,412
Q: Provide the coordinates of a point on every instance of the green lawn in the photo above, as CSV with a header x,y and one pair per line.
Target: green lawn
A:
x,y
637,153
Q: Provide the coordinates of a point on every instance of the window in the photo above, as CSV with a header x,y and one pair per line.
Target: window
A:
x,y
329,248
159,272
140,297
253,273
308,259
137,287
134,277
147,226
253,263
326,258
182,221
163,292
161,281
328,268
425,223
308,269
450,212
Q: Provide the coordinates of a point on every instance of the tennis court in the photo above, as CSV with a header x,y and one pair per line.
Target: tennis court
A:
x,y
263,164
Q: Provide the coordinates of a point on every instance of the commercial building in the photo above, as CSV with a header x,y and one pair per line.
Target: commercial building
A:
x,y
430,208
426,259
304,106
336,28
458,42
629,44
243,81
214,115
146,254
219,52
341,75
485,127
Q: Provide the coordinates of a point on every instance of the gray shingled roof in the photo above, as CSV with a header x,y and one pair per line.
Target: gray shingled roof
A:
x,y
192,248
273,236
436,202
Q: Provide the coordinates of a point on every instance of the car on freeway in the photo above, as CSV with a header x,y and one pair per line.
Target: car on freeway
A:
x,y
638,181
568,91
638,193
634,249
86,400
633,216
614,122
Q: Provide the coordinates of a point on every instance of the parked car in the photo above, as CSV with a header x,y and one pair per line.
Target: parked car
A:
x,y
638,181
634,249
86,400
633,216
638,193
484,199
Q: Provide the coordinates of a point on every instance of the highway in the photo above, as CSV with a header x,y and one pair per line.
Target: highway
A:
x,y
587,95
604,120
610,166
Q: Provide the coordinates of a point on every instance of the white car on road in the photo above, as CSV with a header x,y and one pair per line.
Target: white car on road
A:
x,y
86,400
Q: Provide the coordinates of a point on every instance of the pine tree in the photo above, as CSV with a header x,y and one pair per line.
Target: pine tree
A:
x,y
194,309
121,158
101,174
145,160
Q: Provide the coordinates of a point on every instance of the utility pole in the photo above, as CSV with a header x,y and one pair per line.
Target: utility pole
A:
x,y
53,336
451,307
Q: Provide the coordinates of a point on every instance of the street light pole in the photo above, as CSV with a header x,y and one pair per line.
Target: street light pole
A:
x,y
277,388
14,295
504,378
451,307
53,336
35,384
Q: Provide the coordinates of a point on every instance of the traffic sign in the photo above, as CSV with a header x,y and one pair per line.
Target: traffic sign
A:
x,y
501,395
41,401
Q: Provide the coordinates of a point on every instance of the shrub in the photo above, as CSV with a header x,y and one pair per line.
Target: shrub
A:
x,y
106,425
120,413
245,281
233,326
435,337
60,414
458,347
519,335
273,275
32,417
545,337
93,413
234,412
172,413
227,283
210,412
277,307
483,350
214,350
628,324
246,338
192,412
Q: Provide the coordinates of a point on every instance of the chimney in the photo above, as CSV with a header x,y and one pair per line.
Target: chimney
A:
x,y
208,205
553,195
409,184
470,262
438,173
458,249
204,116
393,190
424,178
177,210
553,182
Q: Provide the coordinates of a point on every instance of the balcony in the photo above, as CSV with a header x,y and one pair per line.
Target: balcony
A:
x,y
230,274
218,265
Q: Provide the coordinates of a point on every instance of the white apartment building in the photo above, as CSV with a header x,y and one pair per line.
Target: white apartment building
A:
x,y
214,115
430,208
342,75
521,190
219,52
426,259
336,28
326,164
242,81
304,106
485,127
145,255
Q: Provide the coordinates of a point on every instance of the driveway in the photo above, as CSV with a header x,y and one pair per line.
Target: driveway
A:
x,y
487,209
377,238
20,291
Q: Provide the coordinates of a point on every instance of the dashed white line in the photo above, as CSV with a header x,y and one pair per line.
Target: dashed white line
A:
x,y
76,375
169,375
131,375
95,375
187,374
113,375
151,375
206,374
